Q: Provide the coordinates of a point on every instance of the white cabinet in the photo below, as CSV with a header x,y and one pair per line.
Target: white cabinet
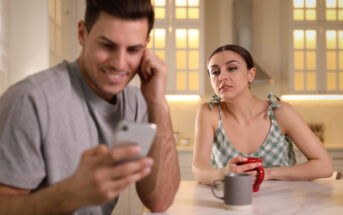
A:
x,y
178,38
185,163
316,46
337,158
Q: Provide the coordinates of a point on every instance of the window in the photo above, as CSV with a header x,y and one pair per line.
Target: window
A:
x,y
177,38
317,46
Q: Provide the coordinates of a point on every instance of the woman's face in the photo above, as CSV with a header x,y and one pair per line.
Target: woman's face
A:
x,y
229,74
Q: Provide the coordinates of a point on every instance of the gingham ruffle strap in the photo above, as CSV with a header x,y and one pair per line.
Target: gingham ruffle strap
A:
x,y
215,99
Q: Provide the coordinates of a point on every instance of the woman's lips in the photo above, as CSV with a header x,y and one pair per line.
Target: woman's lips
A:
x,y
225,87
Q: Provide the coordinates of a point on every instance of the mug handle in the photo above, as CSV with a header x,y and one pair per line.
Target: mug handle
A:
x,y
213,185
260,176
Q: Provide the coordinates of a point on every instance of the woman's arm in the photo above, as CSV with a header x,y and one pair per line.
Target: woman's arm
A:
x,y
319,164
204,134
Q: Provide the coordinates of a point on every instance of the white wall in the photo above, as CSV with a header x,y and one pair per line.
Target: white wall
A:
x,y
28,38
3,45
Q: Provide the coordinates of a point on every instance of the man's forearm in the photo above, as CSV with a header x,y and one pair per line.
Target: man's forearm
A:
x,y
157,191
50,201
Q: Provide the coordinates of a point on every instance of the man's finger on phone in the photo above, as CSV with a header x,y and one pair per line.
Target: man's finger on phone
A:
x,y
124,152
130,167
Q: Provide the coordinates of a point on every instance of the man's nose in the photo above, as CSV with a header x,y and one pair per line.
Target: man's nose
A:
x,y
119,59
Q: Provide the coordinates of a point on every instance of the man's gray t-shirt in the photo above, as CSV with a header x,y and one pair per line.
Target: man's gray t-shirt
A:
x,y
48,120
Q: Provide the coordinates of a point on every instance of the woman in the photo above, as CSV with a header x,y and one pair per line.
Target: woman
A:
x,y
235,125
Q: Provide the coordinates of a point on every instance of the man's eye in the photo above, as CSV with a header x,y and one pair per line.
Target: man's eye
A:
x,y
107,45
134,50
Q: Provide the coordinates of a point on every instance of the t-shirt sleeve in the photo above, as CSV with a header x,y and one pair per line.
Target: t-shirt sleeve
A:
x,y
21,160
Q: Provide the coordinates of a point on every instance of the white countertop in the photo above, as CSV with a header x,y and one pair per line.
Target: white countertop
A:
x,y
274,197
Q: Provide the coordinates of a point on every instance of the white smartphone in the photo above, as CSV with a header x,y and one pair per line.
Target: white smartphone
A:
x,y
130,133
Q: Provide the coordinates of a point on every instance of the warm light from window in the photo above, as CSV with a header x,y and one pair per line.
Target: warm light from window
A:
x,y
159,2
298,39
180,2
298,3
311,97
331,4
193,3
311,3
189,98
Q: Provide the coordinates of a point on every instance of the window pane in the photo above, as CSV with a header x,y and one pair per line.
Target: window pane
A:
x,y
311,39
180,13
331,60
298,81
160,38
194,3
331,4
340,3
298,14
331,40
340,39
181,60
181,81
331,15
340,15
180,2
298,36
298,3
311,81
311,14
331,81
298,60
193,13
180,38
193,81
311,60
159,2
161,54
193,60
311,4
193,38
160,13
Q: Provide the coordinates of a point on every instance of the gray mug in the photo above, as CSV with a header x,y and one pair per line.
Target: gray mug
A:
x,y
237,190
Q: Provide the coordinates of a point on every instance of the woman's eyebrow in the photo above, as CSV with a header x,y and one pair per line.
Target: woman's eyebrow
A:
x,y
231,61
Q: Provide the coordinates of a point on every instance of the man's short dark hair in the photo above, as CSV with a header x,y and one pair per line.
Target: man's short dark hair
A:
x,y
124,9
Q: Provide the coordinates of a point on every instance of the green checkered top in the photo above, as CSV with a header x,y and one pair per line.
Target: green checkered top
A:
x,y
277,149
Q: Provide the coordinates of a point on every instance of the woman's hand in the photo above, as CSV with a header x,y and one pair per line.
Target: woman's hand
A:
x,y
236,165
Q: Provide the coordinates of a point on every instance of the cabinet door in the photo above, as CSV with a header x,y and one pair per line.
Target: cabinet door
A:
x,y
316,56
178,38
185,163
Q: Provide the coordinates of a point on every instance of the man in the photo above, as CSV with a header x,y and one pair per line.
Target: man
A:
x,y
52,123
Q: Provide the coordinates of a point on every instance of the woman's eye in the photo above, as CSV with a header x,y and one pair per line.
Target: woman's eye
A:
x,y
215,72
231,68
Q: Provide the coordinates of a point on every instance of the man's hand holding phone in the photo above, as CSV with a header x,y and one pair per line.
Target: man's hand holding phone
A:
x,y
97,181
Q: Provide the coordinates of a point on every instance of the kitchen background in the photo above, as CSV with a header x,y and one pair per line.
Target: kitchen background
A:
x,y
39,33
298,45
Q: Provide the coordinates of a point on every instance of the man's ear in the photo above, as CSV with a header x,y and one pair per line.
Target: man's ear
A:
x,y
82,33
251,74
